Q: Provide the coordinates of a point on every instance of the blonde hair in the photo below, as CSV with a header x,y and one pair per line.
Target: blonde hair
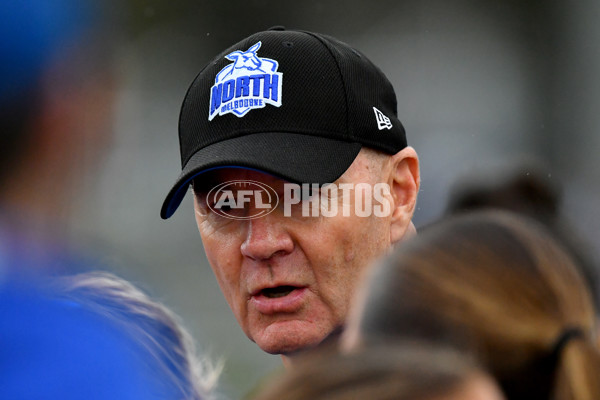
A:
x,y
157,329
502,285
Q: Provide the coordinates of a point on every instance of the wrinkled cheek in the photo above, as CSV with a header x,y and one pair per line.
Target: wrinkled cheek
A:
x,y
227,282
350,246
237,303
349,254
226,277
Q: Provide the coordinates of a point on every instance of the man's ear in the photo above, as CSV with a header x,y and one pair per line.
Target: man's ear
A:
x,y
404,181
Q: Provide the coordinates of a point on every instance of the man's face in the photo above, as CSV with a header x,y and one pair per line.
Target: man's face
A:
x,y
289,279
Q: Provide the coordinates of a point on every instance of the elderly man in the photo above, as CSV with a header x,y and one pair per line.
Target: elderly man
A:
x,y
301,176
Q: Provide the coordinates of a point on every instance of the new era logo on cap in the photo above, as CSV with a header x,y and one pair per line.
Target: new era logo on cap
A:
x,y
383,122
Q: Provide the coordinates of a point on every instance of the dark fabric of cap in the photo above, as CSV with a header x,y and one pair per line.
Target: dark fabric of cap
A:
x,y
327,94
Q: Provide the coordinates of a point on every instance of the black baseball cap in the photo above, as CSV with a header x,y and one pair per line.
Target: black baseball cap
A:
x,y
295,104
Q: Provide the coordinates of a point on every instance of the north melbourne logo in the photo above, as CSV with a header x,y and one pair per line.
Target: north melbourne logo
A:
x,y
383,122
250,82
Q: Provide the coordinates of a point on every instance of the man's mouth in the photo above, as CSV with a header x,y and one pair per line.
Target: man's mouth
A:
x,y
279,299
276,292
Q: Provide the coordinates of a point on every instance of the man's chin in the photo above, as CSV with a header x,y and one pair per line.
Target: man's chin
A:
x,y
286,347
288,338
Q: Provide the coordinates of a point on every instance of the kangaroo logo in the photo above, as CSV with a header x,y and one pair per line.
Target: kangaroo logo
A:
x,y
250,82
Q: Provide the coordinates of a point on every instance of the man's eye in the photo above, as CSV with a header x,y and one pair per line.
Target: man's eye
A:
x,y
222,207
310,193
227,209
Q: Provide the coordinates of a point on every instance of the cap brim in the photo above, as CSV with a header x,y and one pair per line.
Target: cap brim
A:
x,y
293,157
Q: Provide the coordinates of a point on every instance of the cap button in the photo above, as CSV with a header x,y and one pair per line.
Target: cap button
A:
x,y
277,28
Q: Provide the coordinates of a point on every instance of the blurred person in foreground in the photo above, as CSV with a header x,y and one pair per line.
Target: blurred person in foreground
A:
x,y
155,327
409,370
56,81
304,118
496,283
529,188
97,337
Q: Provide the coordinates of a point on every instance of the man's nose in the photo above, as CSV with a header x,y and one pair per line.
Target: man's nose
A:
x,y
266,237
